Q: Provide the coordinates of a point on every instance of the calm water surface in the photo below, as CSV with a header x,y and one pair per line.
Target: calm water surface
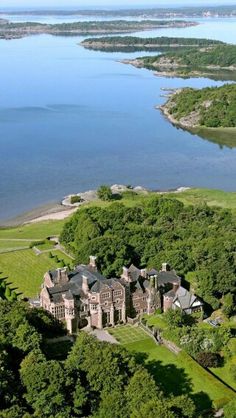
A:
x,y
71,119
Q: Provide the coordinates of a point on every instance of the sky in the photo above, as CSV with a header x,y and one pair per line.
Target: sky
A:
x,y
100,3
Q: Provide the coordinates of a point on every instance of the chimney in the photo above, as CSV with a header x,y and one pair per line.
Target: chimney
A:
x,y
144,273
165,267
125,274
62,276
92,262
85,286
175,286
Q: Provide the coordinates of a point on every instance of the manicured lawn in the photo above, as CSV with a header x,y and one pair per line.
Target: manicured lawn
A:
x,y
10,245
37,231
224,372
48,245
176,374
24,270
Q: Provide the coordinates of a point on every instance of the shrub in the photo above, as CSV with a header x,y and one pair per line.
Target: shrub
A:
x,y
207,359
37,243
105,193
158,311
75,199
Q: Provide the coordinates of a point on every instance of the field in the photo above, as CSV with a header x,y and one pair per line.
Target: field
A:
x,y
211,197
34,231
24,270
175,374
11,245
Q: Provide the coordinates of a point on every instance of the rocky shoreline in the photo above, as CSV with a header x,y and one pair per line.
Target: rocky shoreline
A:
x,y
165,69
64,209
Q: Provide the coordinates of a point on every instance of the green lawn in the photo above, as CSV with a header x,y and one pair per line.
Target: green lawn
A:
x,y
24,270
10,245
224,372
209,196
35,232
176,374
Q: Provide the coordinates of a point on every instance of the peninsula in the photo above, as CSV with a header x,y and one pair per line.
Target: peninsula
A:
x,y
9,30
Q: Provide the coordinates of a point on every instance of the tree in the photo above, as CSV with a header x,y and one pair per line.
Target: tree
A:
x,y
104,193
153,408
228,304
174,318
45,384
141,389
26,338
113,404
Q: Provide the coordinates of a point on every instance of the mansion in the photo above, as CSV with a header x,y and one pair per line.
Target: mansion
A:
x,y
85,297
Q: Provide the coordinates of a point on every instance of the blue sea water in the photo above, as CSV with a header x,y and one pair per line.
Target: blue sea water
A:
x,y
71,119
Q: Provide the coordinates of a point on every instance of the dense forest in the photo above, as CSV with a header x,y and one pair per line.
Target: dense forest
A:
x,y
194,239
223,56
91,379
213,106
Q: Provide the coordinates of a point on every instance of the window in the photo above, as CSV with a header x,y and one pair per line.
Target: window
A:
x,y
105,295
117,293
93,307
93,298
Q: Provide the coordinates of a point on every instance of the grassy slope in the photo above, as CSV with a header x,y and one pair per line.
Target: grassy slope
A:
x,y
24,270
10,245
33,231
176,374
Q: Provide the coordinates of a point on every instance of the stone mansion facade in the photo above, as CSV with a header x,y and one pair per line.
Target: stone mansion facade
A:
x,y
84,297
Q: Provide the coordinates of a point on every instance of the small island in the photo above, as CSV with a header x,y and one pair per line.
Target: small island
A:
x,y
134,43
208,112
10,30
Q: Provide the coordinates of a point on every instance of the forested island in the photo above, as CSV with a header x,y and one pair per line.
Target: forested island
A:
x,y
204,111
134,43
10,30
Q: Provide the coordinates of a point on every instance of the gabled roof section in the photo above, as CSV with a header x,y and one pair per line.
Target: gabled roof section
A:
x,y
134,272
185,298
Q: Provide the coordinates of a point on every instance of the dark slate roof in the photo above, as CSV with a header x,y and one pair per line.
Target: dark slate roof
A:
x,y
170,294
68,295
134,272
74,287
101,283
152,272
165,277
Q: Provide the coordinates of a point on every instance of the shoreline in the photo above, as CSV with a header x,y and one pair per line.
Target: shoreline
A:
x,y
174,71
61,211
